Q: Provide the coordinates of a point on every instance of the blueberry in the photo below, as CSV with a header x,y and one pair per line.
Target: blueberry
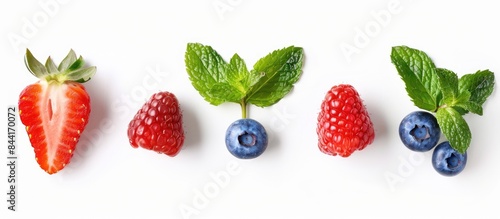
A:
x,y
419,131
246,138
447,161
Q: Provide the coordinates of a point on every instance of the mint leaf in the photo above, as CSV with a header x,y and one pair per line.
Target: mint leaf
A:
x,y
419,75
278,71
448,81
469,106
237,74
218,81
254,78
230,93
455,128
452,97
206,68
480,85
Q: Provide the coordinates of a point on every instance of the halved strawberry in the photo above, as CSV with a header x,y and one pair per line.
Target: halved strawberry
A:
x,y
56,109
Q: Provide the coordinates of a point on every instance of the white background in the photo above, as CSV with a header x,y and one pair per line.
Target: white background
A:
x,y
138,48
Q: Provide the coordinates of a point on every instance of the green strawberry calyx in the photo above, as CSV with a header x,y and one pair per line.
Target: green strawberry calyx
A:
x,y
442,92
218,81
71,68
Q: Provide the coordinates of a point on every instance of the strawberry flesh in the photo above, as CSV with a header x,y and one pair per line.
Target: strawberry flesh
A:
x,y
55,115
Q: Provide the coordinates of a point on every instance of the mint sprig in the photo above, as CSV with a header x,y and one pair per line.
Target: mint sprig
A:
x,y
419,74
218,81
441,91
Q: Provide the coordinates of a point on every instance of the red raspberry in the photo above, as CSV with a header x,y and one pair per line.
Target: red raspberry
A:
x,y
157,125
344,125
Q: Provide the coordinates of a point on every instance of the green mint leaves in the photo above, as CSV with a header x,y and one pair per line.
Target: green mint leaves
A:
x,y
441,91
277,72
218,81
419,73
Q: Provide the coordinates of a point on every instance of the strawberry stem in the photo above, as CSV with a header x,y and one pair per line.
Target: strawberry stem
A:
x,y
58,78
70,69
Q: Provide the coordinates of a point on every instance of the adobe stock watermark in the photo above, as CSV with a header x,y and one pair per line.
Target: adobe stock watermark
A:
x,y
153,81
222,7
31,25
124,107
282,118
405,169
363,36
210,191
